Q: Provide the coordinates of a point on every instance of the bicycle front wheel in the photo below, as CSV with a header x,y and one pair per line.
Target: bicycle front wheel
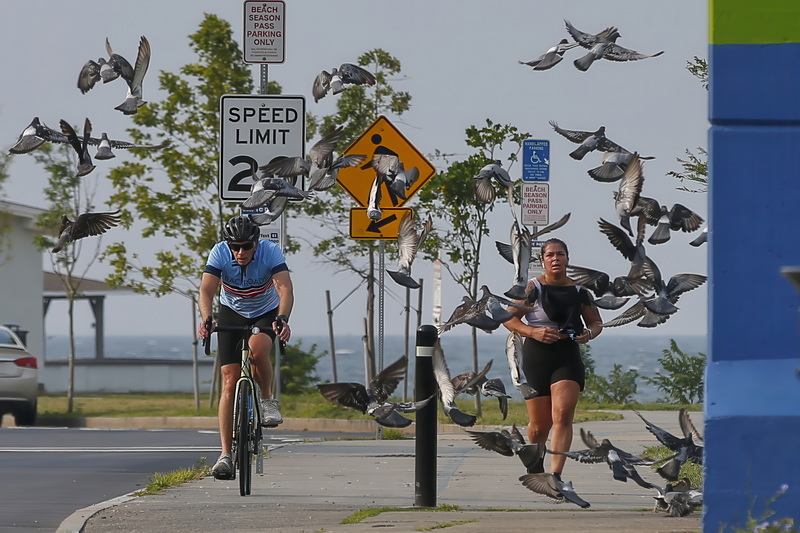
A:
x,y
244,428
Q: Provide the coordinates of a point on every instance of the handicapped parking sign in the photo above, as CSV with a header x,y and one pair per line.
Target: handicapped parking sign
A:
x,y
535,160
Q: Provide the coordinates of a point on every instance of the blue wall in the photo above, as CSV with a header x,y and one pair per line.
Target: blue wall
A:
x,y
752,433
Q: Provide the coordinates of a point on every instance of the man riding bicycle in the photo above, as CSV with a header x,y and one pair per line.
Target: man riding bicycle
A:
x,y
256,291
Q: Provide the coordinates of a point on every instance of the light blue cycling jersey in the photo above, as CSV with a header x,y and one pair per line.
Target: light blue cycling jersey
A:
x,y
247,290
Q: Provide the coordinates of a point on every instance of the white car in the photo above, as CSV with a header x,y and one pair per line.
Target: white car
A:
x,y
19,379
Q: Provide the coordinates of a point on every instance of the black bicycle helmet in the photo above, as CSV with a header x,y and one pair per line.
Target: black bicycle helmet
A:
x,y
240,229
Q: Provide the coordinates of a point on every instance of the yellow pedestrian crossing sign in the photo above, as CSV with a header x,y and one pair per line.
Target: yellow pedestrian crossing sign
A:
x,y
383,137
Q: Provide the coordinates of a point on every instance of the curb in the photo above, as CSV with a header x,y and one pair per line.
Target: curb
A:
x,y
211,423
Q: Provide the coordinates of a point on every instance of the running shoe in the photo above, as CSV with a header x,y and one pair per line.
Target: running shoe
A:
x,y
270,416
223,469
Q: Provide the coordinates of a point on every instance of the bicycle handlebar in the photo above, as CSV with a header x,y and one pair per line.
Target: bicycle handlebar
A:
x,y
253,330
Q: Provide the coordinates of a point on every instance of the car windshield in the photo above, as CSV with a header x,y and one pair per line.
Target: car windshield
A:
x,y
7,338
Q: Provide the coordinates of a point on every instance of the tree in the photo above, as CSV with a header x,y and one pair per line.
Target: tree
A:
x,y
683,380
174,192
619,387
695,167
451,195
68,195
357,108
299,368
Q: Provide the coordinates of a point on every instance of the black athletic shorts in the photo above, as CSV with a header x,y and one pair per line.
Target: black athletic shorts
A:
x,y
229,343
544,364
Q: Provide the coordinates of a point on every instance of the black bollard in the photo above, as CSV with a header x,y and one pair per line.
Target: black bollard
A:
x,y
424,387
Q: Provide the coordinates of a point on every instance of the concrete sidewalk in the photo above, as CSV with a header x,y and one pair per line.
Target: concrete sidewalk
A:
x,y
314,486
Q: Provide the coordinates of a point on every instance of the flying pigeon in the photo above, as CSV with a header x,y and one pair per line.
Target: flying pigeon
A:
x,y
644,207
679,217
635,312
619,461
588,141
514,357
472,309
551,57
467,382
484,190
85,225
104,146
685,449
602,46
465,313
472,383
133,99
549,485
408,244
630,250
335,81
613,165
116,66
446,389
85,165
269,212
387,165
600,284
321,169
521,249
663,303
506,250
374,398
107,70
507,443
34,135
700,239
374,211
630,187
265,189
403,180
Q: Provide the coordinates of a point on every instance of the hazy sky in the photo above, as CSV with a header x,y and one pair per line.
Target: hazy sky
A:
x,y
460,64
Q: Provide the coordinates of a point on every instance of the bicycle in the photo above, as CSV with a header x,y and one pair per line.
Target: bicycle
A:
x,y
246,436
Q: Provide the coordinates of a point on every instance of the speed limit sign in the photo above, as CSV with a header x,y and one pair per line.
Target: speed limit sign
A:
x,y
255,129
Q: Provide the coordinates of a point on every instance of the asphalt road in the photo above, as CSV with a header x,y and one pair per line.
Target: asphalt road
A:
x,y
48,473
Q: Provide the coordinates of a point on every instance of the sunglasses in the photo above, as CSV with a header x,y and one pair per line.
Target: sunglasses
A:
x,y
246,246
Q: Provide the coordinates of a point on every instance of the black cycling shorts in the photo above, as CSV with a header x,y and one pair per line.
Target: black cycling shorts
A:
x,y
229,343
545,364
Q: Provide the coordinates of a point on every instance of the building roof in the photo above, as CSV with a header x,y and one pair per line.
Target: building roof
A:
x,y
53,284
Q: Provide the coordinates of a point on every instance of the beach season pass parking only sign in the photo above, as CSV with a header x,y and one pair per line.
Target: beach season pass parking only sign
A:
x,y
254,130
264,23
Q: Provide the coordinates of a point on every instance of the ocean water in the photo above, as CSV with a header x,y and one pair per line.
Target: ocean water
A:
x,y
640,352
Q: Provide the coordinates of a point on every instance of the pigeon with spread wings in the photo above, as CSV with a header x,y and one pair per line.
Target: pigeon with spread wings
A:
x,y
447,391
85,225
337,79
408,244
508,443
551,57
588,140
603,46
133,99
551,486
81,146
373,399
